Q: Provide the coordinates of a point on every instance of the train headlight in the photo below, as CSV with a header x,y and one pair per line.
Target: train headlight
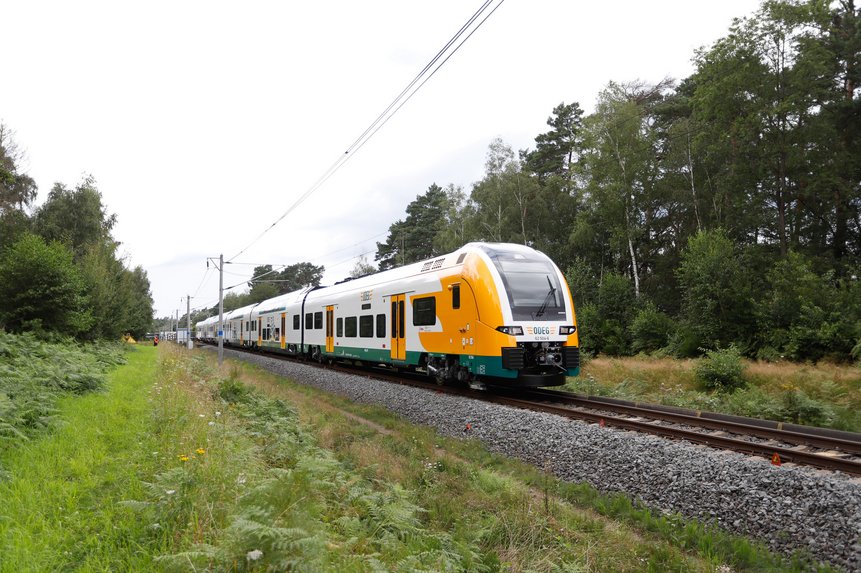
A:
x,y
512,330
567,329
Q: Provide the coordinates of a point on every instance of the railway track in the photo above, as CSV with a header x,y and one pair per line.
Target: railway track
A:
x,y
781,442
823,448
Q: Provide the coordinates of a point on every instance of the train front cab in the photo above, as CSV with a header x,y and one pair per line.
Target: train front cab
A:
x,y
510,321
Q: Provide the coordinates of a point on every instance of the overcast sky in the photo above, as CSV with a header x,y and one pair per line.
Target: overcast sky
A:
x,y
202,122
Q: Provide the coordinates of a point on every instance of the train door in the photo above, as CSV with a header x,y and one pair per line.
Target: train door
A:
x,y
241,332
259,332
283,337
330,329
398,328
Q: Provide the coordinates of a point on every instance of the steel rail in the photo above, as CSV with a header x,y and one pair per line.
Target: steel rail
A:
x,y
847,442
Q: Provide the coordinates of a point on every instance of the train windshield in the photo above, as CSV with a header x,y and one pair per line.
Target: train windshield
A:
x,y
531,283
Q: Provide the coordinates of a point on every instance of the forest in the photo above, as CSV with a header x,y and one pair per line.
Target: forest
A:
x,y
718,210
60,270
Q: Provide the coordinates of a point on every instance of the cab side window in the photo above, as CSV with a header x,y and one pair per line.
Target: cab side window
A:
x,y
424,311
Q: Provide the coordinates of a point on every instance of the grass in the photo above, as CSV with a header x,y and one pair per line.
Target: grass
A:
x,y
61,502
179,466
821,394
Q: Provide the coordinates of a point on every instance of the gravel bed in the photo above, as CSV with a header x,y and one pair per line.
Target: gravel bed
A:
x,y
789,508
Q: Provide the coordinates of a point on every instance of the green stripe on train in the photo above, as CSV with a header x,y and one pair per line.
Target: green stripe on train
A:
x,y
479,365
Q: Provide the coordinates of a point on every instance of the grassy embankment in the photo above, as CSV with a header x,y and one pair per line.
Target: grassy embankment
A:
x,y
822,394
178,466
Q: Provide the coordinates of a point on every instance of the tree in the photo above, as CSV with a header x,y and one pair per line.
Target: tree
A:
x,y
17,190
507,203
456,229
620,167
298,276
41,289
76,217
362,268
412,239
717,300
139,313
261,285
556,150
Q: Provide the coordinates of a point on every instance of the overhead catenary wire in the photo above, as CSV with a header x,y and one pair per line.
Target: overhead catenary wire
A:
x,y
406,94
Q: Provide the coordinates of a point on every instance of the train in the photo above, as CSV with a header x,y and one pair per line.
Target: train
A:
x,y
496,314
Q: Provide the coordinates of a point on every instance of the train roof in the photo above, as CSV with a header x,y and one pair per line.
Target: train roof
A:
x,y
281,302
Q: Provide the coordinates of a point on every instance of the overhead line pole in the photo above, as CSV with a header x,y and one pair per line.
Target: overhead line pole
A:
x,y
220,305
188,314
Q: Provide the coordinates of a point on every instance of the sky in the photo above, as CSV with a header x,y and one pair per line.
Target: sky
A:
x,y
203,122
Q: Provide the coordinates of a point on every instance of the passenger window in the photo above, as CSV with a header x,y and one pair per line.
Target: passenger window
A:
x,y
350,327
339,327
309,321
366,326
424,311
296,319
318,320
381,326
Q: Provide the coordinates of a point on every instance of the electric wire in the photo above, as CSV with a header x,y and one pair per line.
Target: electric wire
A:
x,y
384,117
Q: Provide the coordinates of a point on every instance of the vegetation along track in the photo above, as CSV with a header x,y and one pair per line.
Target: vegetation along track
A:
x,y
823,448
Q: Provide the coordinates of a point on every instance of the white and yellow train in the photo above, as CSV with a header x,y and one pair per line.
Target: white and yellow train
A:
x,y
489,312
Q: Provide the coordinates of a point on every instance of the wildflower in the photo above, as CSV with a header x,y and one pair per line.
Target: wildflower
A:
x,y
200,451
217,413
201,415
254,555
183,458
212,423
170,491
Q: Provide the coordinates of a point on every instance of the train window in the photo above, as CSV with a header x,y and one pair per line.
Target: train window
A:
x,y
318,320
296,320
381,326
366,326
339,327
309,321
424,311
350,327
455,296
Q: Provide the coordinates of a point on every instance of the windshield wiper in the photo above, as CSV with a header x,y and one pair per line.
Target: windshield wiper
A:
x,y
550,295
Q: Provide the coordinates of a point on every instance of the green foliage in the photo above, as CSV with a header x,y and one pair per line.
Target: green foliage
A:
x,y
34,374
651,329
721,369
800,408
306,512
76,217
582,281
717,301
412,239
588,324
604,325
41,289
17,189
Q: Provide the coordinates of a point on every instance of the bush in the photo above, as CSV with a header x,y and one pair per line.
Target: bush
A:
x,y
721,369
651,329
800,408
